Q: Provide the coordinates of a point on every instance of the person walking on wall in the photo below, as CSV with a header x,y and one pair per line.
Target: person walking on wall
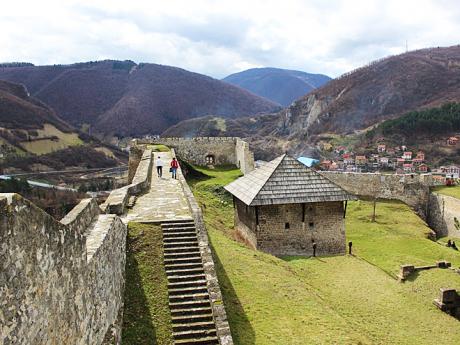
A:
x,y
174,166
159,165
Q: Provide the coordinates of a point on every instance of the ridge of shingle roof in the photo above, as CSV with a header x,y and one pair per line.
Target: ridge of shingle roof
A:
x,y
285,180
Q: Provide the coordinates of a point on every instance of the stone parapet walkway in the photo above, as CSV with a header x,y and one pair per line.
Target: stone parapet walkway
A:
x,y
164,201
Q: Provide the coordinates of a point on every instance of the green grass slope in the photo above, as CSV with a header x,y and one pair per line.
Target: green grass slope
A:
x,y
453,191
146,318
332,300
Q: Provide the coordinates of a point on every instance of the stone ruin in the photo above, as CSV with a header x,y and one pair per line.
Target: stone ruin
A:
x,y
449,302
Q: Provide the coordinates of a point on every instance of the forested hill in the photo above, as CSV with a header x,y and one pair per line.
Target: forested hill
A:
x,y
124,98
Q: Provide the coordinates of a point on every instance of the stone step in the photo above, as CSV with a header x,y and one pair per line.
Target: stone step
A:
x,y
186,312
185,260
175,250
180,240
177,225
184,271
198,341
188,278
189,304
198,297
181,256
187,284
193,244
183,265
167,230
200,325
194,334
179,234
191,318
188,290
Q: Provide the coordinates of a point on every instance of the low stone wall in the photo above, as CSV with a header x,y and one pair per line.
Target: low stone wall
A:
x,y
61,282
219,313
444,215
118,198
413,189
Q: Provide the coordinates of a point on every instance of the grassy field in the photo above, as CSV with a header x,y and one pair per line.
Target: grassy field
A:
x,y
450,191
146,315
331,300
44,146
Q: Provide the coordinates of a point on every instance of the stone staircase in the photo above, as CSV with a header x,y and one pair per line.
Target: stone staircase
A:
x,y
191,311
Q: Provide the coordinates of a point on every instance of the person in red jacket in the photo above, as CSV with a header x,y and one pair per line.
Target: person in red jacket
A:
x,y
174,166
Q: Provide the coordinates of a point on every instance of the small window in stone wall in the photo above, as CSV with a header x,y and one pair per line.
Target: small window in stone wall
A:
x,y
286,226
311,224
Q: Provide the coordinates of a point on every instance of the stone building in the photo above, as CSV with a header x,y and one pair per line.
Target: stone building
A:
x,y
283,207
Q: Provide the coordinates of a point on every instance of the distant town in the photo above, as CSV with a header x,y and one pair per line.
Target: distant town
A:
x,y
399,159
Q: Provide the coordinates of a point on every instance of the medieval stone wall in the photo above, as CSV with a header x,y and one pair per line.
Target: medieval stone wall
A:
x,y
61,282
444,215
413,190
209,150
118,198
282,230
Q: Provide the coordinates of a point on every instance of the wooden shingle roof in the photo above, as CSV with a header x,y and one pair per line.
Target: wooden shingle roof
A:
x,y
285,180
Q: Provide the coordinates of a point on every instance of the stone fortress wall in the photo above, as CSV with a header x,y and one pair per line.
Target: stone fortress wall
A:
x,y
444,215
441,212
413,190
202,150
62,282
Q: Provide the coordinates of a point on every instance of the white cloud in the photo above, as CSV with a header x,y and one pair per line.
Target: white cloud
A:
x,y
223,37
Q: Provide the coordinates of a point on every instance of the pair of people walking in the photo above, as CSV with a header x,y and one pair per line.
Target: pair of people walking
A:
x,y
172,167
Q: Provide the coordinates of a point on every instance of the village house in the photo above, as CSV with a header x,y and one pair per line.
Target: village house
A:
x,y
381,148
360,160
348,159
422,168
408,167
452,141
451,171
285,208
407,155
384,161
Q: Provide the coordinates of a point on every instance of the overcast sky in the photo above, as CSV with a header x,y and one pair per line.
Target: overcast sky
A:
x,y
220,37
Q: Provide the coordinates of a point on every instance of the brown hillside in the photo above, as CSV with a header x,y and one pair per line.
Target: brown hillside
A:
x,y
381,90
20,111
127,99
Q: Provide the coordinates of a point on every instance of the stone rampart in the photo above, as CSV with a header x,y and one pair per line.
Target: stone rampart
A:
x,y
118,198
209,150
444,215
219,313
61,282
413,190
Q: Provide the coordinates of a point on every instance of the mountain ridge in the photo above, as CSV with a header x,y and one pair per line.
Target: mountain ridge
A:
x,y
282,86
125,98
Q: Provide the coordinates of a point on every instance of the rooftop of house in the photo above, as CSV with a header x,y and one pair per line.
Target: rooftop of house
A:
x,y
285,180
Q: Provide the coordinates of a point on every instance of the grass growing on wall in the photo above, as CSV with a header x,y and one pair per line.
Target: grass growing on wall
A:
x,y
331,300
146,318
